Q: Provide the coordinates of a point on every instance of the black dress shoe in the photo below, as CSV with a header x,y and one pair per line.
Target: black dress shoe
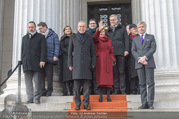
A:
x,y
86,107
48,94
100,99
109,99
143,107
37,101
29,101
123,92
44,93
133,92
77,108
151,107
116,92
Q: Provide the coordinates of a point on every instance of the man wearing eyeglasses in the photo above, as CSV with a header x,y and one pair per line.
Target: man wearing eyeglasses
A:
x,y
91,30
53,46
120,42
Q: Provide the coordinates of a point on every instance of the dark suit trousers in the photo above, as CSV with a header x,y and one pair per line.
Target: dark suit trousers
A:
x,y
94,87
86,83
119,73
146,77
48,72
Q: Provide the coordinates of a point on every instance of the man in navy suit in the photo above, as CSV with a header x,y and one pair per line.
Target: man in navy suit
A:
x,y
143,48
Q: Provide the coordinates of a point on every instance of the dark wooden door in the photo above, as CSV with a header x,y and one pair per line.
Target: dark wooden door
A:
x,y
103,12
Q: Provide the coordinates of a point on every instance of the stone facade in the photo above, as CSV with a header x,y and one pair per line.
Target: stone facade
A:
x,y
161,17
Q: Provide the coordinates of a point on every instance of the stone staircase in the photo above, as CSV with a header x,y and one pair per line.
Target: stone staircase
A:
x,y
166,97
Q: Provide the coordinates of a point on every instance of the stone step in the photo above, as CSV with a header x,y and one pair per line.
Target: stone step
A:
x,y
157,105
166,88
158,97
166,72
56,99
43,107
167,80
103,105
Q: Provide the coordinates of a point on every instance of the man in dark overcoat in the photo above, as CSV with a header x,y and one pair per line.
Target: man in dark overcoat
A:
x,y
92,30
81,60
120,42
143,48
33,60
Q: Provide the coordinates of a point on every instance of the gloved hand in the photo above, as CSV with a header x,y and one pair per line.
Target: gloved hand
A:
x,y
92,68
114,63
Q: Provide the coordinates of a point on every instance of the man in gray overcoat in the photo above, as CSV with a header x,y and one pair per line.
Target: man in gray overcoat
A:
x,y
143,48
81,60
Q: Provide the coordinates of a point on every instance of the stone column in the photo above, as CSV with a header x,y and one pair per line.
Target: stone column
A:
x,y
69,14
37,11
162,19
56,13
32,10
136,11
1,32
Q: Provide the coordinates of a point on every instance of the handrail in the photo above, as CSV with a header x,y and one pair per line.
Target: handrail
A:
x,y
19,64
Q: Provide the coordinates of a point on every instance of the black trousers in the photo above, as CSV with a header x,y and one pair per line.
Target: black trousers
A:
x,y
94,88
119,73
48,72
86,83
134,85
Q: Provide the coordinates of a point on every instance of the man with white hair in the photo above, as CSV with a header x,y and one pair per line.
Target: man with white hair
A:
x,y
81,60
143,48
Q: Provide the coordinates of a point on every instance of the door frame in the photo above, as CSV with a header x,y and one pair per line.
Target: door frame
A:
x,y
135,7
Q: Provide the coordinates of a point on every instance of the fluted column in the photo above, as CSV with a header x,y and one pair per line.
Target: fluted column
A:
x,y
37,11
1,31
136,11
162,18
56,13
69,14
32,10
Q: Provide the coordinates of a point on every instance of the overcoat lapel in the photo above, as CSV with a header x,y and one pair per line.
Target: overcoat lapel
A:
x,y
78,37
85,37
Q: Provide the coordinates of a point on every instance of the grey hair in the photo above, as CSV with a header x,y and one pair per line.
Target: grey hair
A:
x,y
82,22
113,15
142,22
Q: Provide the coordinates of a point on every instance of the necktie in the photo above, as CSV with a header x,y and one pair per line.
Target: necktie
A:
x,y
141,38
81,38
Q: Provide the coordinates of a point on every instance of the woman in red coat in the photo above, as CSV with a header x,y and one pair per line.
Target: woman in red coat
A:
x,y
104,61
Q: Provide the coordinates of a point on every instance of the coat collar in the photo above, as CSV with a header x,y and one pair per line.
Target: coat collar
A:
x,y
64,36
85,37
144,42
118,26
